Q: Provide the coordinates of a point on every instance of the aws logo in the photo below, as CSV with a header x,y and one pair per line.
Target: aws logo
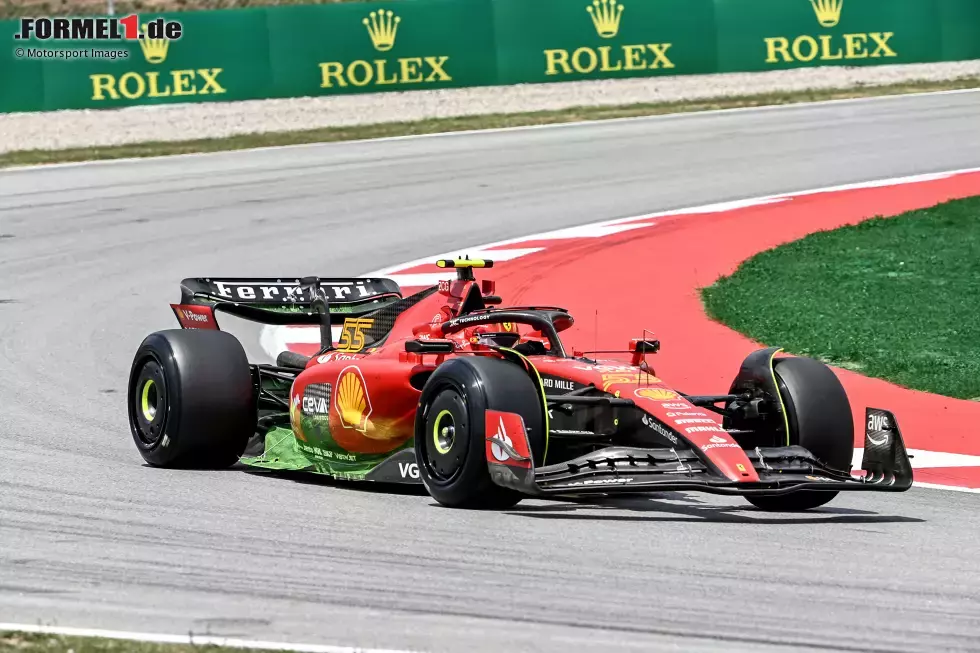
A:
x,y
382,29
828,47
606,16
134,85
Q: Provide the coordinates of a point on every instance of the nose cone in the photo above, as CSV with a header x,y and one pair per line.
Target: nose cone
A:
x,y
701,428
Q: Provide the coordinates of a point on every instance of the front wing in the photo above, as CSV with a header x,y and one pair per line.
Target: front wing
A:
x,y
886,466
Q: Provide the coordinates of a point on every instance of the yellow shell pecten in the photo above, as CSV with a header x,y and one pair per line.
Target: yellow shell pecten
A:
x,y
295,420
351,401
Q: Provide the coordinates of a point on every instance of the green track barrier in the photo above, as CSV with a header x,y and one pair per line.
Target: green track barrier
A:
x,y
296,51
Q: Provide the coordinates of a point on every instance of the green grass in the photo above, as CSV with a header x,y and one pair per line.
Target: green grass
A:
x,y
893,298
35,643
330,134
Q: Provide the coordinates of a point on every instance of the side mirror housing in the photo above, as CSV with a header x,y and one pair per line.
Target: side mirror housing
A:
x,y
641,347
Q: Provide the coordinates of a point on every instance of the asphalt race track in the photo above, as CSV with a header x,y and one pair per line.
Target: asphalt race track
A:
x,y
91,255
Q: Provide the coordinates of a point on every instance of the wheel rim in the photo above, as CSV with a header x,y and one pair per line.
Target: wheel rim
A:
x,y
447,444
148,400
149,403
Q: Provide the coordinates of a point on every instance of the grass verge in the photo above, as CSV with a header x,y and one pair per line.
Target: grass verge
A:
x,y
490,121
19,642
893,298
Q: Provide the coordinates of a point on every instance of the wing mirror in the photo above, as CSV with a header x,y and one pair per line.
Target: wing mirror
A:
x,y
641,348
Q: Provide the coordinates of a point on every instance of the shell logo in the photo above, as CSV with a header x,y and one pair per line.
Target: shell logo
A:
x,y
294,418
657,394
353,402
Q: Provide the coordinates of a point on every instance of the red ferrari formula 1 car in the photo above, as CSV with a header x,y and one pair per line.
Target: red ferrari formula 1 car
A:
x,y
483,404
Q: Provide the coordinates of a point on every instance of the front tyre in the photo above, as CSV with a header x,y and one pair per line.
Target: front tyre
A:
x,y
191,399
820,420
450,429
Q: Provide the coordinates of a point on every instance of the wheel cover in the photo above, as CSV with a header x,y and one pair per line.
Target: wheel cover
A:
x,y
149,403
447,426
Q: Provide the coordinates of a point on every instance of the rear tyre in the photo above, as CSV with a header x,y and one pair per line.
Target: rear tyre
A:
x,y
450,429
820,421
191,399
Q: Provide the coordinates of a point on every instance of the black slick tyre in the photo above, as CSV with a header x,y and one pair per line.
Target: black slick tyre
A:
x,y
191,399
820,421
450,429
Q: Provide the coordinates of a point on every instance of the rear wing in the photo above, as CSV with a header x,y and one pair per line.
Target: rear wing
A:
x,y
281,300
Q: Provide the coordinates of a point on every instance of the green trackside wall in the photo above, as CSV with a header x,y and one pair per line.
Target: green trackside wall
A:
x,y
275,52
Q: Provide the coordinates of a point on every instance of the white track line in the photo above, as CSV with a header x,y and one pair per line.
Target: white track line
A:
x,y
598,229
951,488
926,460
498,130
194,640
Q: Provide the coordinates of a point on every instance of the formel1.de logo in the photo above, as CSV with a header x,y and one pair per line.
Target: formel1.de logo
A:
x,y
100,29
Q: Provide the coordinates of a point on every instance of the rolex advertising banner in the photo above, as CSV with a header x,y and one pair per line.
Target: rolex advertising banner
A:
x,y
364,47
766,35
385,46
568,40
